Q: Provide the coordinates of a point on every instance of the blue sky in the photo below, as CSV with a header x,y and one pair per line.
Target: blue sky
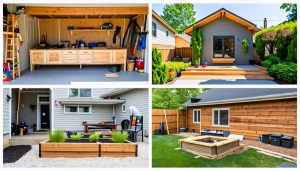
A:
x,y
254,13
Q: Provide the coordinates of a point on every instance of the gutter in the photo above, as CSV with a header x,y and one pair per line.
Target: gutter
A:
x,y
248,99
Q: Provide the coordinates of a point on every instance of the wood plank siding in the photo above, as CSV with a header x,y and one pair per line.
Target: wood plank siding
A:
x,y
252,119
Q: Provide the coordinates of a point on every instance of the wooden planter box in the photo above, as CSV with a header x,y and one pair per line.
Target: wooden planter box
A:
x,y
128,149
79,150
69,150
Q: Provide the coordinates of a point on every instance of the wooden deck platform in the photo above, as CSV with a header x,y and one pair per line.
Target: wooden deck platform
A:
x,y
226,72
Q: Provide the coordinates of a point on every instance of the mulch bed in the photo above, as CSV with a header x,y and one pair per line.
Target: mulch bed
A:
x,y
14,153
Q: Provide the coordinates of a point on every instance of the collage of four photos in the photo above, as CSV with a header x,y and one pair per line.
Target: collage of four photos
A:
x,y
149,85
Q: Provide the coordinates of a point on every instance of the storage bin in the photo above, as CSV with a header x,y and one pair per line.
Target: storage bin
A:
x,y
275,139
287,141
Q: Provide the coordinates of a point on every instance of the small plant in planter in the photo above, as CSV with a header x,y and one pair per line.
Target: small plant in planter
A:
x,y
204,64
119,137
245,46
76,137
56,136
94,137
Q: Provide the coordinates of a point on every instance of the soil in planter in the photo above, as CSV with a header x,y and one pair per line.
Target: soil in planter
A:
x,y
86,140
14,153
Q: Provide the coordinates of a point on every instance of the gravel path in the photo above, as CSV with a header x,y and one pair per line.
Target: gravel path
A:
x,y
31,159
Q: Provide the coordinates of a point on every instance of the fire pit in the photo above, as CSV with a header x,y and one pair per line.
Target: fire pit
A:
x,y
210,146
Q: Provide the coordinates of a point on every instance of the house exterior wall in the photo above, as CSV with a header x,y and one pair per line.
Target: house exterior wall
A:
x,y
6,115
227,27
73,122
252,119
161,38
139,99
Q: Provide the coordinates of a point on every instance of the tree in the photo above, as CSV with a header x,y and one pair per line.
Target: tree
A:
x,y
179,16
173,98
197,40
159,70
291,9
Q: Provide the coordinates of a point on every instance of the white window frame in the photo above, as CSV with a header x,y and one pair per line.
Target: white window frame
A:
x,y
198,110
155,29
76,113
124,108
79,93
213,118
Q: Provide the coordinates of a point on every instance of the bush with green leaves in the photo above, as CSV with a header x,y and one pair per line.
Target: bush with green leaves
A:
x,y
270,61
292,48
119,137
178,66
286,71
275,39
56,136
196,42
76,137
159,70
94,137
245,46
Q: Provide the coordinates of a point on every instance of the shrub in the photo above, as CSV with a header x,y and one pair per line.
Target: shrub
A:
x,y
245,46
56,136
270,61
119,137
292,48
94,137
260,47
197,41
281,47
76,137
159,70
284,71
178,66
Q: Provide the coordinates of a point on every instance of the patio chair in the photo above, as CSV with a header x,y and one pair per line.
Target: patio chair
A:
x,y
125,124
136,126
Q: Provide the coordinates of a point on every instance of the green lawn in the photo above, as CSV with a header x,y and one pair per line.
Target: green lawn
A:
x,y
164,154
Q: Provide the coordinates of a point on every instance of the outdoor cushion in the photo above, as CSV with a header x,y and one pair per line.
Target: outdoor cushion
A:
x,y
241,137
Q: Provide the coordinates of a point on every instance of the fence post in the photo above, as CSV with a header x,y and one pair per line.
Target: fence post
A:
x,y
166,121
177,122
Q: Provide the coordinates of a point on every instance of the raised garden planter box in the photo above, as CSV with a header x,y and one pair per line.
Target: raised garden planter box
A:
x,y
70,150
128,149
80,150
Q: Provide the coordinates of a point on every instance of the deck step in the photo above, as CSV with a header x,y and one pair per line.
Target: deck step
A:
x,y
227,77
261,72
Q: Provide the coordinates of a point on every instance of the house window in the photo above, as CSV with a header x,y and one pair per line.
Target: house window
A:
x,y
82,92
43,99
154,29
123,108
78,109
167,33
196,116
220,117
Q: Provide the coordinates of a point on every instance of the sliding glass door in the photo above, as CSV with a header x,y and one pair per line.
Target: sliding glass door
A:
x,y
223,47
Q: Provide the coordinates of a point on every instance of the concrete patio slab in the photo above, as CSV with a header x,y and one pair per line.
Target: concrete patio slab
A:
x,y
65,75
220,81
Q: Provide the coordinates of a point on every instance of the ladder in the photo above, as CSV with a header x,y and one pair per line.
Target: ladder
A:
x,y
12,40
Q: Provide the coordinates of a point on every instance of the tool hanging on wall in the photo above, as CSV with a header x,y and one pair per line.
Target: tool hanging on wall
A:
x,y
117,33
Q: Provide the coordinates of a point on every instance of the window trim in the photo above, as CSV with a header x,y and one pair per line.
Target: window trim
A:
x,y
124,111
76,113
79,93
155,29
194,116
213,119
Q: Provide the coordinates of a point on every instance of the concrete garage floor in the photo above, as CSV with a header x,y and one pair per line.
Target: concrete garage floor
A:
x,y
31,159
65,75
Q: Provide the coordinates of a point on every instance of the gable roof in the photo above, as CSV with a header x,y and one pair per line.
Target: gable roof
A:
x,y
115,92
239,95
162,21
221,13
184,37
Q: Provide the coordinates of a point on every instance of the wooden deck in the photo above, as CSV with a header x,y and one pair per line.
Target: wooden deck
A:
x,y
226,73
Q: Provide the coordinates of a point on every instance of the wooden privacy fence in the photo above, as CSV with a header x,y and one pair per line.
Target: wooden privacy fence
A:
x,y
173,119
184,52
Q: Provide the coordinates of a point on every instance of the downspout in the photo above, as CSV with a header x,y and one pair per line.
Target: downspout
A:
x,y
18,107
114,115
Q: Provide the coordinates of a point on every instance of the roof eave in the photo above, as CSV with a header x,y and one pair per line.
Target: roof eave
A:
x,y
247,99
160,19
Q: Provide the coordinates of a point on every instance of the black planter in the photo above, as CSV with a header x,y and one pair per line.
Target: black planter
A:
x,y
178,74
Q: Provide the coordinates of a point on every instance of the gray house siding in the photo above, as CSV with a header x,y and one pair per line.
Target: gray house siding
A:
x,y
161,37
139,99
227,27
6,120
73,122
6,111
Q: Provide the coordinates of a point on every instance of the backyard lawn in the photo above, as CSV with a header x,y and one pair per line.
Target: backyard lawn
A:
x,y
164,154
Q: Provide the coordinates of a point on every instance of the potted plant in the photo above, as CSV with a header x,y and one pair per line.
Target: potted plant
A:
x,y
204,63
171,72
